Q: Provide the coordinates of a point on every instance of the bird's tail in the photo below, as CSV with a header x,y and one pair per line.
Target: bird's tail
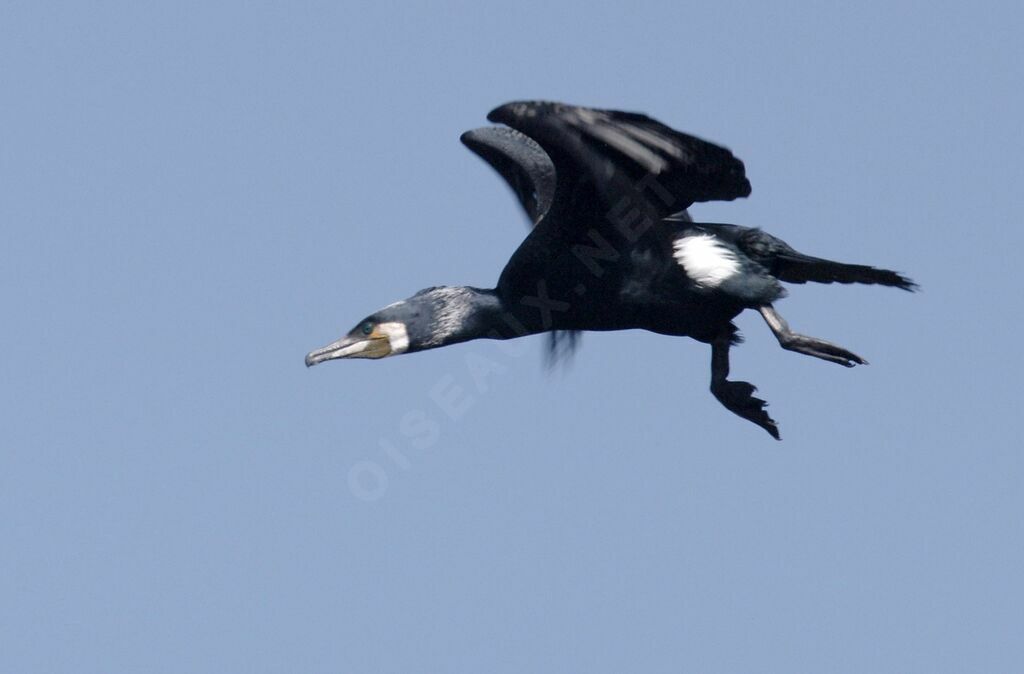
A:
x,y
791,266
794,267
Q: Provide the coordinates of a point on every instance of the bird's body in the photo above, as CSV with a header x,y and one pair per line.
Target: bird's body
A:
x,y
647,289
613,247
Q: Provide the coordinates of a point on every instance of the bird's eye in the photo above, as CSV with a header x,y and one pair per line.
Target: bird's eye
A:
x,y
366,328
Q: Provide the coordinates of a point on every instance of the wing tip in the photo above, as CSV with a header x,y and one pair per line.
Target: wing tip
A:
x,y
505,111
745,188
472,138
523,108
492,136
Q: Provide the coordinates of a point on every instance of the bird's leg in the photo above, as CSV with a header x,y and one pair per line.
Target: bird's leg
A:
x,y
810,346
737,396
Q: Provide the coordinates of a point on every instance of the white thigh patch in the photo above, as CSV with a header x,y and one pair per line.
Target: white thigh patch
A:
x,y
705,260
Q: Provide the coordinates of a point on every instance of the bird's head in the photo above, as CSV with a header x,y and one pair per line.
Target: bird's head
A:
x,y
430,318
383,333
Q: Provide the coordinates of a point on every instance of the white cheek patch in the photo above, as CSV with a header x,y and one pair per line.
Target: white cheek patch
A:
x,y
705,260
398,336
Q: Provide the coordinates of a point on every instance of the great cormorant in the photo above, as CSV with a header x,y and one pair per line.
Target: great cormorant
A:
x,y
613,247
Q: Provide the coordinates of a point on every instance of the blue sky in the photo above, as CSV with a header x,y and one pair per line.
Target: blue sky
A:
x,y
193,195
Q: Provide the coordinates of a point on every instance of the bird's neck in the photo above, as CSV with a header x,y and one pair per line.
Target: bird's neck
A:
x,y
463,313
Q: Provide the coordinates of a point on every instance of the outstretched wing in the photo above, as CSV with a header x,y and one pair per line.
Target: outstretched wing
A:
x,y
626,155
618,175
520,161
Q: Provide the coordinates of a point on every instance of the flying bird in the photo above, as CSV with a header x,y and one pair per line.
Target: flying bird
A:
x,y
612,247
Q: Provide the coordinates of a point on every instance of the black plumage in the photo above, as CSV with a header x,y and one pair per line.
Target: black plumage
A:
x,y
613,247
